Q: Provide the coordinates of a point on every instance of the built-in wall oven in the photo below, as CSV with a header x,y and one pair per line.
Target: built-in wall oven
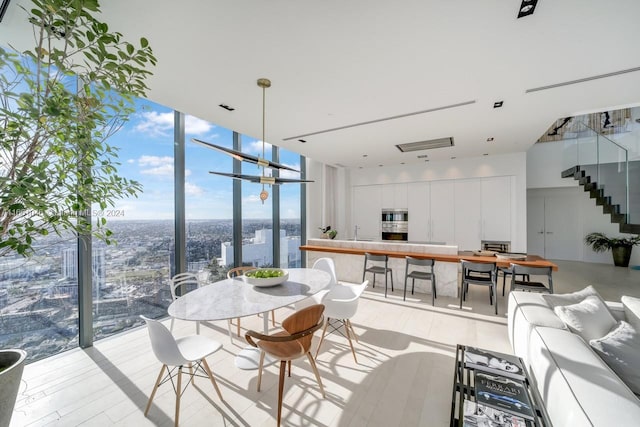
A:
x,y
395,224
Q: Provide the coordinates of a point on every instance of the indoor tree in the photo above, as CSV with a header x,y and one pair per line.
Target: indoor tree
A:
x,y
59,103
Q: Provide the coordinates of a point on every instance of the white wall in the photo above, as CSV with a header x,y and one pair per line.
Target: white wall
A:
x,y
513,164
544,166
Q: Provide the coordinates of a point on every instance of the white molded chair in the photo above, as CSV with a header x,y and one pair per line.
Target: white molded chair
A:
x,y
183,281
341,304
324,264
177,353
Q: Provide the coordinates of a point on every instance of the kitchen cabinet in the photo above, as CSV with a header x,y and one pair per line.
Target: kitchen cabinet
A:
x,y
418,208
468,214
441,209
496,208
394,196
367,211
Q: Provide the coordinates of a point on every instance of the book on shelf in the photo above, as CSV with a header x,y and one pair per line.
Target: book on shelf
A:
x,y
493,362
503,393
479,415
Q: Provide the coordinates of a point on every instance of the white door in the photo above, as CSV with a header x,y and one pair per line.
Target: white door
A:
x,y
552,229
496,208
441,207
418,209
467,214
367,211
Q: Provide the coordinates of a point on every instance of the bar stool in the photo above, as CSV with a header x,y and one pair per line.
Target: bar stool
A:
x,y
526,284
421,275
477,273
377,269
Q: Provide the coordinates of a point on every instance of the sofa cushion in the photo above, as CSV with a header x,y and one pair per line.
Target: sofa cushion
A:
x,y
555,300
590,318
620,349
577,387
632,310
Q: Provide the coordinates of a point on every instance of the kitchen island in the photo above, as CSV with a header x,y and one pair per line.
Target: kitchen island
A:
x,y
348,256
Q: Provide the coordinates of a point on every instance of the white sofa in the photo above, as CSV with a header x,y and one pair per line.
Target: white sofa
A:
x,y
576,386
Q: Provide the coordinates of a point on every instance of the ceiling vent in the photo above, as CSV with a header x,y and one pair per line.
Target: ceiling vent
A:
x,y
426,145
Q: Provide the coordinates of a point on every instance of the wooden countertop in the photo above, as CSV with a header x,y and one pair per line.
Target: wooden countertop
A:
x,y
531,261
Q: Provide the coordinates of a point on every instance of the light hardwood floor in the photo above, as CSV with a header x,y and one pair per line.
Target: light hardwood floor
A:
x,y
406,355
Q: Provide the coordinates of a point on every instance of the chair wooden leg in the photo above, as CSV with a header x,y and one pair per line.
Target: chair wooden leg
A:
x,y
238,322
315,371
283,364
324,331
213,380
273,318
289,366
352,331
178,393
353,351
155,388
260,369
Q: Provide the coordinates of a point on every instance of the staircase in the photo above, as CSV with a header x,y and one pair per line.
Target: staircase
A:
x,y
583,174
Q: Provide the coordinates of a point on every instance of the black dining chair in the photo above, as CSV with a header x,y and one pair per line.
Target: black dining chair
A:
x,y
527,284
477,273
420,275
378,269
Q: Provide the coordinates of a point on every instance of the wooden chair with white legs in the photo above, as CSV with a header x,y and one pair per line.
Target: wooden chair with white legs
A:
x,y
341,304
176,354
180,284
292,343
237,272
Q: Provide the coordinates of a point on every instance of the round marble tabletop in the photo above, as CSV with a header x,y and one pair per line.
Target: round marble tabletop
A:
x,y
231,298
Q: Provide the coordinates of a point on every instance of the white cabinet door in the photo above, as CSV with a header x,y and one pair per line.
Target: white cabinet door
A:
x,y
418,208
468,220
496,208
394,196
367,211
441,207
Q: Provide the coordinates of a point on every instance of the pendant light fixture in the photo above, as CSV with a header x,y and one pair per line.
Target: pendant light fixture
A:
x,y
262,162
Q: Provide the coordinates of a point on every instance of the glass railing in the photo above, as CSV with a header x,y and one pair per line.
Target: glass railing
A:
x,y
606,162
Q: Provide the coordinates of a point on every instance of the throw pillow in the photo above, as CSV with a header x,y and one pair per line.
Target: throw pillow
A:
x,y
589,318
620,349
555,300
632,310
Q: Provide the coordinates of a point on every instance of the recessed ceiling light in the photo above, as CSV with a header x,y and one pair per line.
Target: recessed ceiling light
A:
x,y
365,155
498,104
453,157
527,7
423,156
226,107
490,139
302,140
402,163
485,154
380,165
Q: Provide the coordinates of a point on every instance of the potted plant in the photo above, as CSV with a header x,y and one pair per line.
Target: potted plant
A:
x,y
11,366
328,233
620,246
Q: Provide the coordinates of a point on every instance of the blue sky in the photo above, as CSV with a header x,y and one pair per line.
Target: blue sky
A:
x,y
146,155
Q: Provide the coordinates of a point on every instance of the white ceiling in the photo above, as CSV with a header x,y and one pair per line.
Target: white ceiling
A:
x,y
336,63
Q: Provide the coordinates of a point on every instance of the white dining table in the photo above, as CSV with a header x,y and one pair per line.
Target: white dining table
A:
x,y
232,298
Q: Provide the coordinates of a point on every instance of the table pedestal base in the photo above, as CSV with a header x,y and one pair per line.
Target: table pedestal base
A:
x,y
249,358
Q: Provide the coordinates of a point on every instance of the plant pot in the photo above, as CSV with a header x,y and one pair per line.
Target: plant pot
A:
x,y
621,255
11,367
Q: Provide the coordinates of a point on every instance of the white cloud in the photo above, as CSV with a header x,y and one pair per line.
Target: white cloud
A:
x,y
192,189
131,161
196,126
255,147
164,170
253,198
155,160
155,124
290,174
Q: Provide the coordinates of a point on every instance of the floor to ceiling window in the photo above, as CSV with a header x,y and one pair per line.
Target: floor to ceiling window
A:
x,y
290,213
131,277
208,201
257,224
